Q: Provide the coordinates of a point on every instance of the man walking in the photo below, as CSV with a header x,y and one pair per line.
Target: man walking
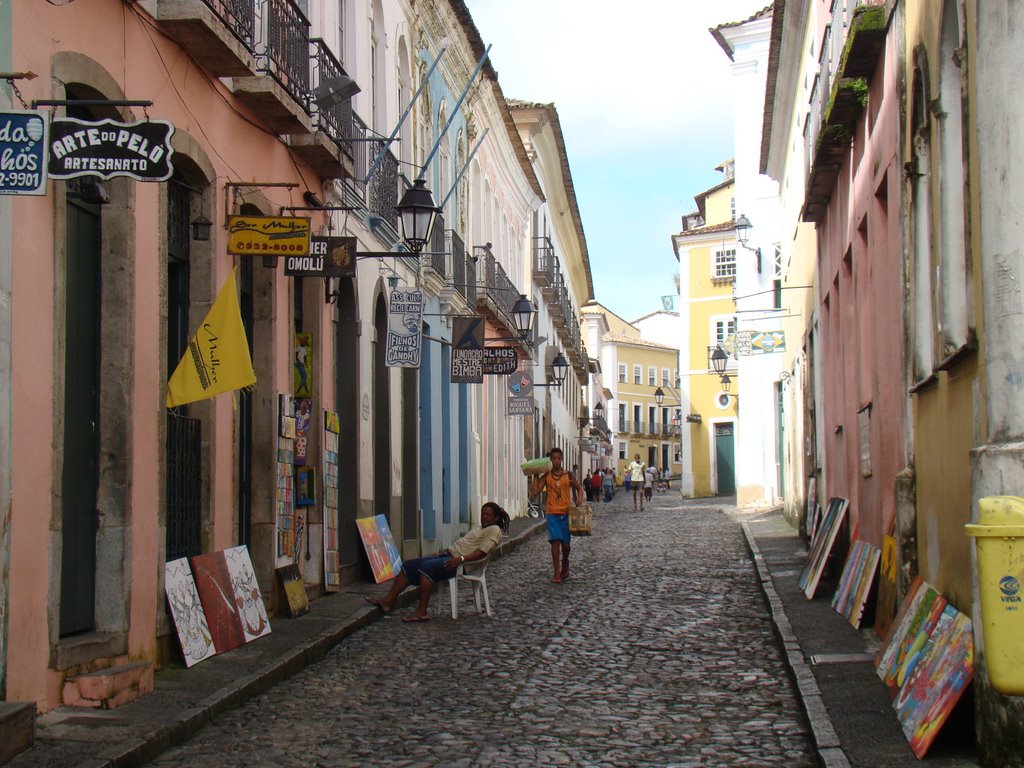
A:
x,y
561,489
635,471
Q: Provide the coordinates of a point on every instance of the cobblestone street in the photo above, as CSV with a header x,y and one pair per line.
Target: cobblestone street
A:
x,y
658,651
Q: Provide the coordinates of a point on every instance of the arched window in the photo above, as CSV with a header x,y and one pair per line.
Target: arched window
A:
x,y
952,291
923,317
444,160
404,94
378,107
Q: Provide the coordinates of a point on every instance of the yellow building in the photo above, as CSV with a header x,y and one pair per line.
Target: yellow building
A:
x,y
706,249
634,370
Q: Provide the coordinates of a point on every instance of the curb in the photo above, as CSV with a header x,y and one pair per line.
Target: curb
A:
x,y
187,723
830,750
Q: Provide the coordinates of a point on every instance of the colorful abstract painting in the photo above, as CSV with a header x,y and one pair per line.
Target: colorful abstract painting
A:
x,y
918,615
248,598
187,611
856,582
934,687
332,560
885,608
821,545
380,548
218,597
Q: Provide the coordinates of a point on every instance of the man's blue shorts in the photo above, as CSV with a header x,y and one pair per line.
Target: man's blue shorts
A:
x,y
558,528
431,567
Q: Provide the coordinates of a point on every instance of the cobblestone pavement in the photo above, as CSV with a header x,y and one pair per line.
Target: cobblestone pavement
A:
x,y
658,651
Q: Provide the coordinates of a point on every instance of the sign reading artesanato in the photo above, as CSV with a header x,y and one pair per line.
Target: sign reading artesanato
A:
x,y
108,148
268,235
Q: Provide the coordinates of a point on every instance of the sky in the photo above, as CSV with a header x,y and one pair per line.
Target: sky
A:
x,y
643,95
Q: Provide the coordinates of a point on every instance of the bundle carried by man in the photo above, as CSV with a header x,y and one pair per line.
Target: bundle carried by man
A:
x,y
536,466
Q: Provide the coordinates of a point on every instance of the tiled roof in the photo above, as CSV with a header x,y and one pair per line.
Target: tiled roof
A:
x,y
716,32
710,228
618,338
570,189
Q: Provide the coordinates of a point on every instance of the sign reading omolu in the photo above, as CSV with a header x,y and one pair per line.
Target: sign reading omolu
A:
x,y
268,235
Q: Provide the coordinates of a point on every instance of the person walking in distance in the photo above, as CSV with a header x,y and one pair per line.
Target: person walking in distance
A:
x,y
561,489
635,469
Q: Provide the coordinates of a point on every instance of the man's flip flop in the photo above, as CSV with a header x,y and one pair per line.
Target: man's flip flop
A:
x,y
374,601
412,619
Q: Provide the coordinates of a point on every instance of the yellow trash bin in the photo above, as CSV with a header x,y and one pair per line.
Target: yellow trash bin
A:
x,y
999,538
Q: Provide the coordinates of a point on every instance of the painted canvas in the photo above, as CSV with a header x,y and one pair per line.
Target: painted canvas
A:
x,y
248,598
303,364
918,615
812,511
856,582
187,611
821,545
384,558
886,606
938,680
332,561
218,597
294,590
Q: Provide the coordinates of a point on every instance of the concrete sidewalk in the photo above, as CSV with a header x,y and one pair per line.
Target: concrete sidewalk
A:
x,y
848,708
184,700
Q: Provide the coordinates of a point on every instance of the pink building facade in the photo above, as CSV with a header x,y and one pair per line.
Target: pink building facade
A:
x,y
858,332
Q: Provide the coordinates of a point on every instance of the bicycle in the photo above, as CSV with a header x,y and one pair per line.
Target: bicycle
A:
x,y
533,509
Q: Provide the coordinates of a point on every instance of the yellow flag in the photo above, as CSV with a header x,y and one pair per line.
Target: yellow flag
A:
x,y
217,359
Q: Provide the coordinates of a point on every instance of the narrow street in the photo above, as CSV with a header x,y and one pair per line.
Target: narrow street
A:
x,y
658,651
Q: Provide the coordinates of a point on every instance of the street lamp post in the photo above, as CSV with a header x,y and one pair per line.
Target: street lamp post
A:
x,y
659,398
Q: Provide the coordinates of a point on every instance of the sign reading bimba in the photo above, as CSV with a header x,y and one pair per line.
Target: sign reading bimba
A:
x,y
107,148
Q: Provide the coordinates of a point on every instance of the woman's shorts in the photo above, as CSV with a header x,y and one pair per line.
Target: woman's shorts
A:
x,y
558,528
431,567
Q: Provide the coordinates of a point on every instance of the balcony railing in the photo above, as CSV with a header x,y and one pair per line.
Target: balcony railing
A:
x,y
335,121
286,57
239,16
496,285
544,265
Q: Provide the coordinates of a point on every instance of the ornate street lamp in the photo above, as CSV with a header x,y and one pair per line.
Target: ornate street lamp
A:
x,y
659,396
417,214
523,313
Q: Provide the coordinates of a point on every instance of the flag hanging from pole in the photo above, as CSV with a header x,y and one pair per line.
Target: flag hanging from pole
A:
x,y
217,359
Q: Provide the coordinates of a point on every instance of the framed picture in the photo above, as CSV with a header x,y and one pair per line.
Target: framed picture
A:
x,y
305,487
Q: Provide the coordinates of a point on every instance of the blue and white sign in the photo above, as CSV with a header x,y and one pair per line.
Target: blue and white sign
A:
x,y
24,135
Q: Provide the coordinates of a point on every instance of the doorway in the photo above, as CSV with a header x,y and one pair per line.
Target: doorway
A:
x,y
725,458
79,480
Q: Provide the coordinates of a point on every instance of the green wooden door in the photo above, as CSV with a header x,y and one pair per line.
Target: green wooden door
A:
x,y
81,419
725,458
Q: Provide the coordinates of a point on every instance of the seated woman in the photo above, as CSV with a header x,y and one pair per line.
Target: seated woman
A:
x,y
443,565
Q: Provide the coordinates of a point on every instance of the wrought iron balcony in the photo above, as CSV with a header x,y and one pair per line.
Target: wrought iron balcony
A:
x,y
219,34
544,263
434,254
279,95
324,150
497,294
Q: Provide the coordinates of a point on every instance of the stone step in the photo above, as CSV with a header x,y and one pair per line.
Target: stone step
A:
x,y
111,687
17,728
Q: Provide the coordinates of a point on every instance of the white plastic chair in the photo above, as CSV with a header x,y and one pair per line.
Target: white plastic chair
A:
x,y
477,576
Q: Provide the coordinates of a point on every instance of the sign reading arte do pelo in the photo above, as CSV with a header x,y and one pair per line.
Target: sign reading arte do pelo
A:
x,y
107,148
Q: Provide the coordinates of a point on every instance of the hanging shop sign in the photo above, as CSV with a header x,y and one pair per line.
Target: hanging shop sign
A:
x,y
268,235
328,257
500,361
23,140
405,328
467,350
520,393
766,342
108,148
